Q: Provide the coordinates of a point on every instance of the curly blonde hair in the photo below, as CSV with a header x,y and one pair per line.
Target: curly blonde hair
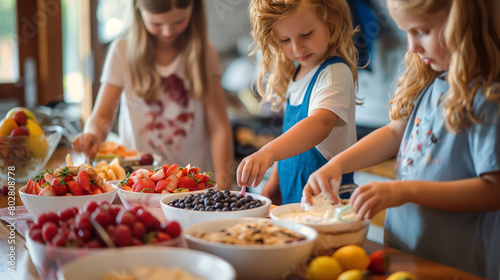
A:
x,y
194,42
276,69
472,35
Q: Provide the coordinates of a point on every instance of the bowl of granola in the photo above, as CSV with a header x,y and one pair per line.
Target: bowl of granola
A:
x,y
258,248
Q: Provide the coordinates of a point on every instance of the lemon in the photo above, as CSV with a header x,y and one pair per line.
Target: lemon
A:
x,y
6,126
402,275
323,268
352,257
28,113
353,274
36,142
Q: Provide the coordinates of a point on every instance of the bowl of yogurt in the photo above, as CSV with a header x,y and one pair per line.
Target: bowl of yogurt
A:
x,y
337,225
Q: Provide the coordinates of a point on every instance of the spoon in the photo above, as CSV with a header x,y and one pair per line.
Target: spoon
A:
x,y
102,233
243,191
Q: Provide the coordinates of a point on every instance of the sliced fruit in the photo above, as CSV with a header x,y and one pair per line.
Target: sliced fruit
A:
x,y
6,126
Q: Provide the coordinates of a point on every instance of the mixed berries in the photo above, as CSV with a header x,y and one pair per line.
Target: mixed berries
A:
x,y
168,179
72,227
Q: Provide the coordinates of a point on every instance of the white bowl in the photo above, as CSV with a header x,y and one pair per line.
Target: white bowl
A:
x,y
48,259
197,263
256,261
150,201
38,204
190,217
330,236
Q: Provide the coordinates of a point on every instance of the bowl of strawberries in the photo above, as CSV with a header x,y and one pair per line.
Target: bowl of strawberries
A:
x,y
56,238
67,186
147,187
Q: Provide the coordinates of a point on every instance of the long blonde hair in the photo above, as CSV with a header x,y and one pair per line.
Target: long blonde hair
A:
x,y
472,35
193,42
276,69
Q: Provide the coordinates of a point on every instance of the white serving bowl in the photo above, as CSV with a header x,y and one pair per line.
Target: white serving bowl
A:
x,y
150,201
48,259
256,261
197,263
330,236
190,217
38,204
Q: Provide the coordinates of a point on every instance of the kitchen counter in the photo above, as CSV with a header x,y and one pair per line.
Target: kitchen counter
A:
x,y
422,268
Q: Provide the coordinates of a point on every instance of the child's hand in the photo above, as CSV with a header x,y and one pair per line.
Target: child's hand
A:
x,y
86,143
369,199
252,168
322,180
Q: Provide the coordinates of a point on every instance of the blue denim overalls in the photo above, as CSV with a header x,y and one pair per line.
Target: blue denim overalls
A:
x,y
294,172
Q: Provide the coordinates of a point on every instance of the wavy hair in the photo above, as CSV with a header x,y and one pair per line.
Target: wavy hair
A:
x,y
194,42
276,69
472,35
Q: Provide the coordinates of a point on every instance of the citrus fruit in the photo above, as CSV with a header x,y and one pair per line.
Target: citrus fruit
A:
x,y
37,143
353,274
6,126
352,257
323,268
28,113
402,275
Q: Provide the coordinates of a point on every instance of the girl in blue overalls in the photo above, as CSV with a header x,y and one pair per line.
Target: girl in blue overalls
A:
x,y
308,64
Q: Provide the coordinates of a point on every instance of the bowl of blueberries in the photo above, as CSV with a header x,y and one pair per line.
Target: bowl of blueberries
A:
x,y
193,208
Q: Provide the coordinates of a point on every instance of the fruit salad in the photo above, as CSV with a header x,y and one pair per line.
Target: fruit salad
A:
x,y
68,181
168,179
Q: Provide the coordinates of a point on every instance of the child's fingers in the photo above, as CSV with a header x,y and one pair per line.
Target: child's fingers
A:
x,y
244,170
260,176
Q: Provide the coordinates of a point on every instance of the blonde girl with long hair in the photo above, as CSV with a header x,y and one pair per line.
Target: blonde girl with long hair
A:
x,y
444,204
163,77
308,66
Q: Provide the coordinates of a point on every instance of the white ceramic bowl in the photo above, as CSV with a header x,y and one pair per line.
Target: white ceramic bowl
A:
x,y
197,263
256,261
150,201
190,217
37,204
48,259
330,236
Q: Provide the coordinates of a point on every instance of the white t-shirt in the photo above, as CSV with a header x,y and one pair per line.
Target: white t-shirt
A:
x,y
333,91
173,126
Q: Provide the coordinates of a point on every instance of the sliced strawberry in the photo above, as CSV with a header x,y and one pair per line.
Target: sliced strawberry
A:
x,y
158,176
83,178
165,168
172,170
37,188
173,184
48,191
142,184
75,188
187,182
201,186
29,187
161,185
60,186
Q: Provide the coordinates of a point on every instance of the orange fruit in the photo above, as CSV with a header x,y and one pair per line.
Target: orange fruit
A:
x,y
352,257
6,126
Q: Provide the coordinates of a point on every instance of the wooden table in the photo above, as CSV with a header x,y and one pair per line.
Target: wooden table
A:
x,y
423,269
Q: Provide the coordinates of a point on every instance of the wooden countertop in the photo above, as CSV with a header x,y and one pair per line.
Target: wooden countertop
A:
x,y
422,268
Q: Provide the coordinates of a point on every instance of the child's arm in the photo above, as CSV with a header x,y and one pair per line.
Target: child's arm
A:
x,y
303,136
220,134
376,147
272,187
100,122
467,195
